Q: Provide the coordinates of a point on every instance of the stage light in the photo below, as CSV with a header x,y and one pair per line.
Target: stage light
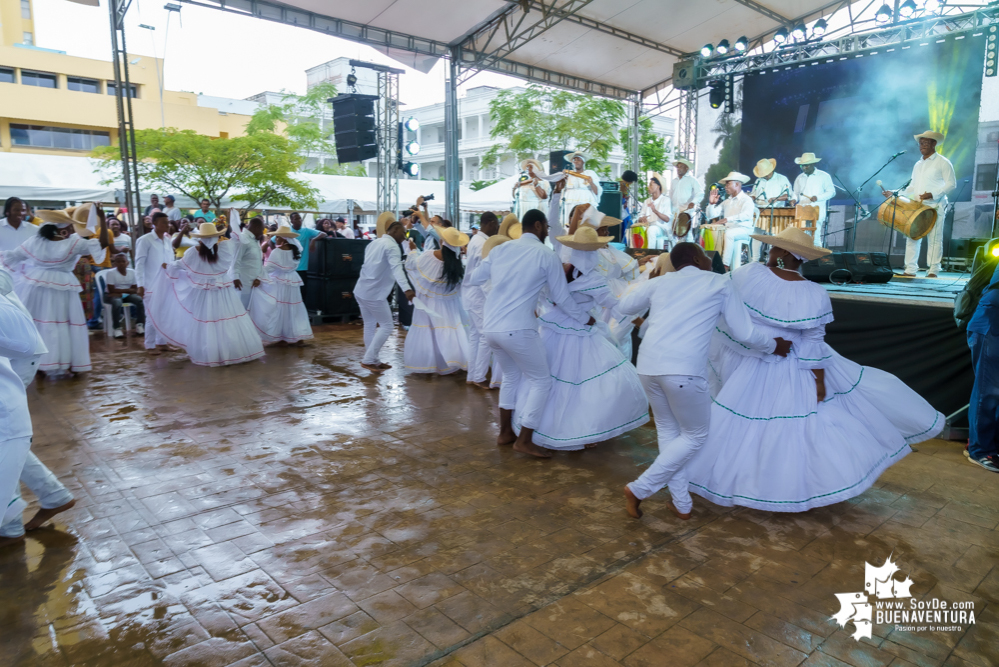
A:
x,y
907,9
932,6
742,43
995,251
412,148
412,124
716,96
722,47
411,169
799,32
780,36
351,79
883,15
819,28
707,50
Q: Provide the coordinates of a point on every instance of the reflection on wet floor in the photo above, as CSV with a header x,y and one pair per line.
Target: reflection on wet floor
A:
x,y
302,510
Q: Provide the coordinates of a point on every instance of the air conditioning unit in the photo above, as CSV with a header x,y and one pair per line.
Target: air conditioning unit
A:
x,y
685,75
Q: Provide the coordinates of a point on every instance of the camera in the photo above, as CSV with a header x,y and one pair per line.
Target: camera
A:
x,y
429,197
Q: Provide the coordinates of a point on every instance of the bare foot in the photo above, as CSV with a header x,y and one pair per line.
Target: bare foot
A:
x,y
153,352
10,541
384,366
591,445
532,449
631,503
480,385
44,515
677,512
506,439
372,367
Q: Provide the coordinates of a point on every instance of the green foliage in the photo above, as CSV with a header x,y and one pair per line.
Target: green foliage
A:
x,y
254,169
728,157
653,154
540,120
478,185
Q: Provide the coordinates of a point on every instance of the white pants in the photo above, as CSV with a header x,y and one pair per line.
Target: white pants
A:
x,y
152,336
378,325
734,236
934,251
47,488
478,363
681,406
12,456
521,355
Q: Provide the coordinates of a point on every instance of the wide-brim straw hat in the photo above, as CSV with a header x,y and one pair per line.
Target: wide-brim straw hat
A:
x,y
807,158
929,134
735,176
597,220
511,227
796,241
659,177
538,167
765,167
572,156
385,219
206,230
74,215
492,242
682,160
452,236
663,264
585,238
284,231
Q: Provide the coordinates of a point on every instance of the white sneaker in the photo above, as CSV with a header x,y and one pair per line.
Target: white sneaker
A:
x,y
118,333
140,329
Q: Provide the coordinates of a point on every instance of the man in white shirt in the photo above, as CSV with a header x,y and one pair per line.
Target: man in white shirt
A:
x,y
122,288
814,187
14,229
770,187
932,180
341,226
656,215
172,211
738,214
153,251
519,270
684,307
473,299
248,262
381,269
686,192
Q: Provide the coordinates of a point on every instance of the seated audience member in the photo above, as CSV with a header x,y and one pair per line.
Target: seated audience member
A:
x,y
123,288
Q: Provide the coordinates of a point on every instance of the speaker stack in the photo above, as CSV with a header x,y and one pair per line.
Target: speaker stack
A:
x,y
334,268
556,161
849,267
354,127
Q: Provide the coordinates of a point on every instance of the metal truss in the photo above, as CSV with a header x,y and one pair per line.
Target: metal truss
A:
x,y
766,11
387,181
126,119
686,132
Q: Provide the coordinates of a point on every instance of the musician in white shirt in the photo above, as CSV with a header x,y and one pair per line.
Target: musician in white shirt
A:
x,y
770,187
813,187
685,195
656,214
530,193
248,262
932,180
739,213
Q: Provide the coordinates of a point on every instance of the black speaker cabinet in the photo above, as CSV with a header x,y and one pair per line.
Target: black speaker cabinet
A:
x,y
849,267
556,161
610,204
331,296
337,258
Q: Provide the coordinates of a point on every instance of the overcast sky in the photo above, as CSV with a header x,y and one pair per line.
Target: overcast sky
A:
x,y
218,53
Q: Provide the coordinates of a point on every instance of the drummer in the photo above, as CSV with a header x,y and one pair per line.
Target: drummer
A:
x,y
932,180
530,191
770,187
813,187
582,189
739,214
656,215
686,191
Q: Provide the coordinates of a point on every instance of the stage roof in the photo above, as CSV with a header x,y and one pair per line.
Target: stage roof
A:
x,y
607,47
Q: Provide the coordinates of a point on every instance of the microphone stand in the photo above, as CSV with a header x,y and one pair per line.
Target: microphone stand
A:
x,y
894,207
765,247
858,211
859,191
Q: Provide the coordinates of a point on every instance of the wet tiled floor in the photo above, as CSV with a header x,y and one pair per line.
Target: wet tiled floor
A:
x,y
301,510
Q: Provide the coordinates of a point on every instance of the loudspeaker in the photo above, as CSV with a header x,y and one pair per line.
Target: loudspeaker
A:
x,y
331,296
556,161
610,204
354,127
849,267
337,258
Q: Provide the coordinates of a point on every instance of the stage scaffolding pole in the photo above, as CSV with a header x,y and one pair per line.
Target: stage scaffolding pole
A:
x,y
686,137
452,168
636,117
387,183
126,128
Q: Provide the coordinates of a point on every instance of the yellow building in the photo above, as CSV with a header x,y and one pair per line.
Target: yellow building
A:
x,y
55,104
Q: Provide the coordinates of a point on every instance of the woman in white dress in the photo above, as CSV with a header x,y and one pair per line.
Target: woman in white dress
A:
x,y
583,189
197,307
42,267
531,191
807,430
596,394
276,306
437,341
656,215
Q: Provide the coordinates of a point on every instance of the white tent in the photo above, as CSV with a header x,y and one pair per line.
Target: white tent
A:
x,y
496,197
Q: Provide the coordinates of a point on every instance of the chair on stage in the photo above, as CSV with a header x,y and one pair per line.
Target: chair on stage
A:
x,y
806,218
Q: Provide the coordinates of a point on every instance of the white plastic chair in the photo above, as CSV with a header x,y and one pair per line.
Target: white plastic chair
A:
x,y
108,309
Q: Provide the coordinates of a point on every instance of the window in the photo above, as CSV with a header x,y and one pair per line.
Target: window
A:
x,y
40,79
6,75
134,90
83,85
57,137
985,177
25,9
28,38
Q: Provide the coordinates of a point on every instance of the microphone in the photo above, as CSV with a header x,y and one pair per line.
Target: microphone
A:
x,y
897,154
880,184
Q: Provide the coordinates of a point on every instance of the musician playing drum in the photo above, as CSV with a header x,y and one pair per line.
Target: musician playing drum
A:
x,y
739,213
656,215
770,187
530,191
813,187
932,180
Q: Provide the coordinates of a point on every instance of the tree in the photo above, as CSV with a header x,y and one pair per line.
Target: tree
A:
x,y
653,153
539,120
303,119
255,168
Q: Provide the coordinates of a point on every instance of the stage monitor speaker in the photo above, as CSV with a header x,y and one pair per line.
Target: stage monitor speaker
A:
x,y
337,258
331,296
849,267
966,247
556,161
610,204
354,127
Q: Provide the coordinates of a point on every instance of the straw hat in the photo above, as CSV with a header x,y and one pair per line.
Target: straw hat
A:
x,y
492,242
807,158
206,230
572,156
663,264
385,219
796,241
735,176
659,177
511,227
765,167
585,238
452,236
929,134
597,220
74,215
284,231
682,160
538,167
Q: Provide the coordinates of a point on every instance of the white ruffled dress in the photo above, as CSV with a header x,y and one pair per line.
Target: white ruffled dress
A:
x,y
437,341
771,445
44,281
195,306
596,394
276,306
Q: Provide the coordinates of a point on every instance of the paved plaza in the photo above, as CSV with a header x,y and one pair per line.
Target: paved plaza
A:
x,y
301,510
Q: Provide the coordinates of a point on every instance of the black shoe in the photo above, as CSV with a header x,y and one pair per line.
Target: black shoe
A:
x,y
990,462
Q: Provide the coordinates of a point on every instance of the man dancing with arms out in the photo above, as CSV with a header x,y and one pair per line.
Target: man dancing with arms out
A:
x,y
519,270
673,364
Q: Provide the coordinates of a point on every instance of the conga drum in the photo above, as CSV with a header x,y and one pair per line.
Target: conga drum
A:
x,y
638,237
682,224
712,237
912,218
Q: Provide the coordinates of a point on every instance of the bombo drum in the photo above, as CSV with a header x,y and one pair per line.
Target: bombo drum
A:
x,y
912,218
682,224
